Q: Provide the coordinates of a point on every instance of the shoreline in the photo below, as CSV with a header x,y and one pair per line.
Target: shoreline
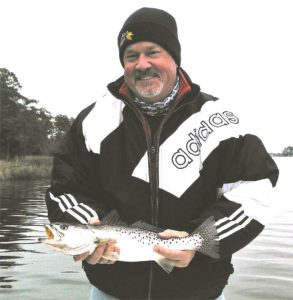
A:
x,y
26,168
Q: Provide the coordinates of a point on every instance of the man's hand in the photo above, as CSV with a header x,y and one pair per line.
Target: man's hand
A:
x,y
103,254
182,258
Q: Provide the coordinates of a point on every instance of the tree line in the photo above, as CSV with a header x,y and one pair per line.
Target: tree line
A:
x,y
26,129
287,151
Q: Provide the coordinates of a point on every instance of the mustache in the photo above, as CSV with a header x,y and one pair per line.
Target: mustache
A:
x,y
142,74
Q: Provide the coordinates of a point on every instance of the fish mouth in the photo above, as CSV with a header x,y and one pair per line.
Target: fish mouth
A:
x,y
53,233
49,232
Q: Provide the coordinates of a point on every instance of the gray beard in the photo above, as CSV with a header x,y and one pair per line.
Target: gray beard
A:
x,y
159,107
150,94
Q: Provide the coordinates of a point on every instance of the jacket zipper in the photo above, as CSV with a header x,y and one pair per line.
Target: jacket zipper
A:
x,y
153,155
152,152
153,180
154,174
152,142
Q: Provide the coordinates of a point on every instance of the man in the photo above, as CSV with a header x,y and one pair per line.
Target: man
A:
x,y
157,149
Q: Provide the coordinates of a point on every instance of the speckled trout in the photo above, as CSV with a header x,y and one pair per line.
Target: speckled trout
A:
x,y
136,242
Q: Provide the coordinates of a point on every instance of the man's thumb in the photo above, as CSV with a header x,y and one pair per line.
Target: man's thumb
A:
x,y
94,221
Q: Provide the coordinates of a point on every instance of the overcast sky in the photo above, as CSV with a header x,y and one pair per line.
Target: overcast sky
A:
x,y
64,52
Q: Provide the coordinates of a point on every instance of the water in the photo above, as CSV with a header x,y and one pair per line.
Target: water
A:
x,y
30,270
264,269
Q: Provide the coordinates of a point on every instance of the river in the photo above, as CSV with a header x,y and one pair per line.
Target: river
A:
x,y
29,270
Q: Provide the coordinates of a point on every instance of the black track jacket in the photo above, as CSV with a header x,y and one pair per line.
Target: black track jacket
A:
x,y
195,162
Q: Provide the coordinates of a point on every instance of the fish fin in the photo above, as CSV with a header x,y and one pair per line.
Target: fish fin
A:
x,y
166,264
111,256
208,231
113,218
146,226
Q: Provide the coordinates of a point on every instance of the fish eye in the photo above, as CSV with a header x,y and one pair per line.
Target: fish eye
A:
x,y
63,227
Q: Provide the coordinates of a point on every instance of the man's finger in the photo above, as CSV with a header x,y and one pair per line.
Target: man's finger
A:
x,y
105,261
111,247
111,253
176,255
96,255
167,234
94,221
168,253
81,256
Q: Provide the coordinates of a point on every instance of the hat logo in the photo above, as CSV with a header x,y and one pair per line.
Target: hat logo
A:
x,y
127,35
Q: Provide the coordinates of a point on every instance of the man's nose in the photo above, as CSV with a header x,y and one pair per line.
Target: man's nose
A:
x,y
143,63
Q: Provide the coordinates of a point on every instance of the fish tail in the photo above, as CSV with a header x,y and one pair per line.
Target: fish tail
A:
x,y
166,264
208,231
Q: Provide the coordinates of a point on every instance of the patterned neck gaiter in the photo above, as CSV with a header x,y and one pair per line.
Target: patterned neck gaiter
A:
x,y
160,107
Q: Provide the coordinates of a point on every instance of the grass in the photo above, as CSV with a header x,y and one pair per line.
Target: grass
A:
x,y
27,167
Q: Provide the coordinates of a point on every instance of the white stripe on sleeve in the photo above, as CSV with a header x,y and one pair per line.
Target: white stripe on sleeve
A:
x,y
79,211
82,211
56,199
235,229
232,224
77,216
65,201
94,214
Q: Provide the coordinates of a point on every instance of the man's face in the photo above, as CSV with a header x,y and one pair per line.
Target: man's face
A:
x,y
149,70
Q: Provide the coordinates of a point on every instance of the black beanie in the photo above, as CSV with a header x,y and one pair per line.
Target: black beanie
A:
x,y
153,25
